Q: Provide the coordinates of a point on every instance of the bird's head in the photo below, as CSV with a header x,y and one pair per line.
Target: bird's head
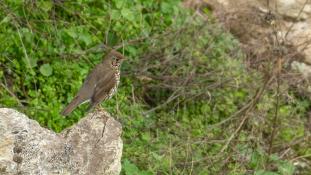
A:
x,y
115,58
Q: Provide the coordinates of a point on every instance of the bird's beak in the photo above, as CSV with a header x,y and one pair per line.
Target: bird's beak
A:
x,y
123,58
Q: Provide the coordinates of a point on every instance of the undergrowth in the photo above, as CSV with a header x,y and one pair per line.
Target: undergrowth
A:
x,y
187,103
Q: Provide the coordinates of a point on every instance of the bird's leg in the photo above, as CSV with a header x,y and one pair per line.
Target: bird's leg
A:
x,y
98,109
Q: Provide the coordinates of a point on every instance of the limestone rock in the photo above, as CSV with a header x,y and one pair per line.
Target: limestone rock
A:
x,y
93,146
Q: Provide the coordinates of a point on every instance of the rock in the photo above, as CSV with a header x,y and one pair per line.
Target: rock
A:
x,y
303,68
93,146
292,8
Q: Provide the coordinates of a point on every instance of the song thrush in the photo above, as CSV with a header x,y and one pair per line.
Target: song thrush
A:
x,y
100,84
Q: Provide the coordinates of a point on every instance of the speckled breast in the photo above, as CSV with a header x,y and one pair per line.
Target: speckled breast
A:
x,y
114,89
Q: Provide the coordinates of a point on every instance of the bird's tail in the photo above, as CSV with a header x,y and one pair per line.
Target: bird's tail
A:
x,y
71,106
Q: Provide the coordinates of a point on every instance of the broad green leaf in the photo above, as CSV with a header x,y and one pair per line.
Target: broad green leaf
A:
x,y
146,136
86,38
30,62
46,70
45,5
119,3
72,32
5,19
130,168
166,7
127,14
286,168
115,14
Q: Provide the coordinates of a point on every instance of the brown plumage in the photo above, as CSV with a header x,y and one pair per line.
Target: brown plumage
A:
x,y
100,84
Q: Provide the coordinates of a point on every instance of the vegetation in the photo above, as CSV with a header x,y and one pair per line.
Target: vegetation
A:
x,y
187,102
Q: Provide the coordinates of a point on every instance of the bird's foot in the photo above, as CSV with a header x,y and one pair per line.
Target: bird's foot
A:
x,y
98,109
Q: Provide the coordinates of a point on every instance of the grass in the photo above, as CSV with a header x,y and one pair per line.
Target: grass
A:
x,y
187,102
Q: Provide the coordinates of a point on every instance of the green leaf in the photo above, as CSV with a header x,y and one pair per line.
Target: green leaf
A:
x,y
166,7
146,136
115,14
86,38
157,156
72,32
46,70
30,62
256,159
5,19
46,5
130,168
119,3
112,39
286,168
127,14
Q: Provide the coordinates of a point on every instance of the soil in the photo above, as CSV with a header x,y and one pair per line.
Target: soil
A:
x,y
264,31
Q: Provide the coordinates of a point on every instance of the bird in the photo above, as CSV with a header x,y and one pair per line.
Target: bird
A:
x,y
100,84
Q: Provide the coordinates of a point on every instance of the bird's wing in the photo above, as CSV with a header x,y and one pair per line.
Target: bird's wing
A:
x,y
91,80
103,88
85,92
92,87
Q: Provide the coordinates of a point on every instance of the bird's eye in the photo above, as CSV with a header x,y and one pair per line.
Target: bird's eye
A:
x,y
116,58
